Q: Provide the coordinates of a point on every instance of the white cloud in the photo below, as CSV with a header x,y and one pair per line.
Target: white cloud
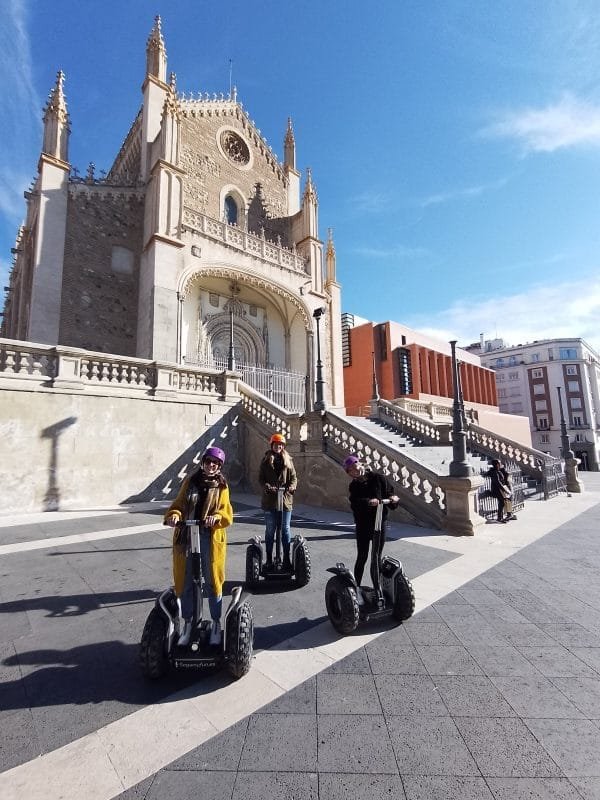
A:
x,y
544,312
458,194
570,122
394,252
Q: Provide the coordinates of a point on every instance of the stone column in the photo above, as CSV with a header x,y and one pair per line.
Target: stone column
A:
x,y
462,505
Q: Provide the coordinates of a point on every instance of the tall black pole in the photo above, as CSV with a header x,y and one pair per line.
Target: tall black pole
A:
x,y
231,354
320,401
564,436
459,466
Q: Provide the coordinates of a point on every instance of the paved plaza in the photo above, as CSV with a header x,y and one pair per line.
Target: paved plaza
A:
x,y
492,689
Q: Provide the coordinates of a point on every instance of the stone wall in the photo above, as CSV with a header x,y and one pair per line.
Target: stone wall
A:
x,y
208,171
65,450
101,269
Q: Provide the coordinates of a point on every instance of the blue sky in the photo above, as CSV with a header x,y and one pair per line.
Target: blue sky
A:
x,y
455,146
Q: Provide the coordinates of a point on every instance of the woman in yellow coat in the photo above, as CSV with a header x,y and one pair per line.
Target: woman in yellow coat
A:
x,y
203,496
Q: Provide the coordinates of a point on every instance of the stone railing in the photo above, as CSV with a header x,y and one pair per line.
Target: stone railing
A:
x,y
242,240
530,461
410,423
24,364
432,411
268,415
421,490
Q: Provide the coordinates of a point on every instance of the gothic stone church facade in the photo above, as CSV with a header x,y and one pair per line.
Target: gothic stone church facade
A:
x,y
197,237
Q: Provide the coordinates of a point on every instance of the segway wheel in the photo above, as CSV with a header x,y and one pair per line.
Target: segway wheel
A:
x,y
404,599
153,659
239,640
302,565
342,605
252,568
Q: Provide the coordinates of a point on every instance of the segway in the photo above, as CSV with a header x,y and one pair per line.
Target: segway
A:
x,y
159,649
349,604
299,563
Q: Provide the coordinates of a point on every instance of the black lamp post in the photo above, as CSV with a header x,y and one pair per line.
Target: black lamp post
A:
x,y
567,453
319,402
459,466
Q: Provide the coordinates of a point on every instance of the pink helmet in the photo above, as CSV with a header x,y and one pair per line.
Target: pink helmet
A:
x,y
214,452
350,461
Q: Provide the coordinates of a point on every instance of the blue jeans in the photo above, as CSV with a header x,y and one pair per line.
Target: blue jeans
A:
x,y
215,602
271,518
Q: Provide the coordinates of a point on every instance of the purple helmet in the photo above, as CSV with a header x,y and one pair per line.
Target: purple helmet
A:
x,y
350,461
214,452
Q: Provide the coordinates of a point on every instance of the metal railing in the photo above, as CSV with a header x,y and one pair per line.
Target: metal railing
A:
x,y
283,387
488,504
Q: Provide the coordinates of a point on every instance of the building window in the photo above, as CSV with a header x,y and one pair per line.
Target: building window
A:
x,y
382,342
513,376
567,352
545,438
535,357
573,386
500,377
539,388
579,437
512,361
231,210
542,422
575,402
499,362
405,371
537,373
577,422
571,369
501,392
541,405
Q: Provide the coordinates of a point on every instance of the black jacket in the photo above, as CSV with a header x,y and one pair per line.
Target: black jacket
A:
x,y
370,485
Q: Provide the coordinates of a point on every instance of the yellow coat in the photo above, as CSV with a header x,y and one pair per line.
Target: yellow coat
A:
x,y
224,514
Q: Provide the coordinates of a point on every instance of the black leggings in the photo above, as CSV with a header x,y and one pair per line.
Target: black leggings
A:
x,y
363,542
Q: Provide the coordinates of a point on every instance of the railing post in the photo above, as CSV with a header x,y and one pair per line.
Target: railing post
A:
x,y
462,505
68,371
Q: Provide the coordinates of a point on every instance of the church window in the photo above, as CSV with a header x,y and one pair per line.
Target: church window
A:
x,y
231,210
235,148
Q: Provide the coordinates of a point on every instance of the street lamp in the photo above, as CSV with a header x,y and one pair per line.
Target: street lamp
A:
x,y
319,402
564,436
375,384
459,466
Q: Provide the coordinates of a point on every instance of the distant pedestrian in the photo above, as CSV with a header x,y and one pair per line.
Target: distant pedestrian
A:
x,y
501,489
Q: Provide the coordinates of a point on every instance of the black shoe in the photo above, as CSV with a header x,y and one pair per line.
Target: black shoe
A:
x,y
287,565
269,564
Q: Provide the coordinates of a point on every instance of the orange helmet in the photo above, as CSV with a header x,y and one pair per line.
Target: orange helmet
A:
x,y
277,438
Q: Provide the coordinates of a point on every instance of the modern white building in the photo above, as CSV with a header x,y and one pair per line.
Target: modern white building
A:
x,y
534,379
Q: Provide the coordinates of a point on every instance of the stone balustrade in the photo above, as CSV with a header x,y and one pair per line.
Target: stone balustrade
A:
x,y
242,240
27,364
411,423
529,460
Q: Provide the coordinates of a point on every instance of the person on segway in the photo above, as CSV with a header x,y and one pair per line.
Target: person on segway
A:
x,y
204,495
277,472
368,489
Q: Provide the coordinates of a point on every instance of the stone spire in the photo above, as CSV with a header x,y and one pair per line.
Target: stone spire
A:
x,y
330,258
156,54
289,146
56,122
310,193
171,118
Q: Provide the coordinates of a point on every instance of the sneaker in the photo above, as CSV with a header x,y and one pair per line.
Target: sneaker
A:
x,y
215,634
184,639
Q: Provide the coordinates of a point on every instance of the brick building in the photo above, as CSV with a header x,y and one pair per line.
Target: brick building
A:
x,y
197,238
406,364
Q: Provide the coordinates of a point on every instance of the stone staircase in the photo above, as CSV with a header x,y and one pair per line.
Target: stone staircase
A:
x,y
436,457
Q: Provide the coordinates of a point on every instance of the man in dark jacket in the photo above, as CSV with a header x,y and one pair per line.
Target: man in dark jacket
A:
x,y
501,489
367,489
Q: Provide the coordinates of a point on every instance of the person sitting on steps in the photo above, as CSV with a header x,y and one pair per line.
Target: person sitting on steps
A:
x,y
277,471
203,496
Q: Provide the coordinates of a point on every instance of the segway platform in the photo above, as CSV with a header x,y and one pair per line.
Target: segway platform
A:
x,y
159,648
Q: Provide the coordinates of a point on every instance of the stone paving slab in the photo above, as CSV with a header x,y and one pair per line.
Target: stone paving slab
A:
x,y
492,691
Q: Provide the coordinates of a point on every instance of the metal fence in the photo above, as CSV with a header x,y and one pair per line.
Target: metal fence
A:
x,y
554,480
488,504
287,389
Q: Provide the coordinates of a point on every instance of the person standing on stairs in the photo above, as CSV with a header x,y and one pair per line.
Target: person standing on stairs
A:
x,y
277,471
